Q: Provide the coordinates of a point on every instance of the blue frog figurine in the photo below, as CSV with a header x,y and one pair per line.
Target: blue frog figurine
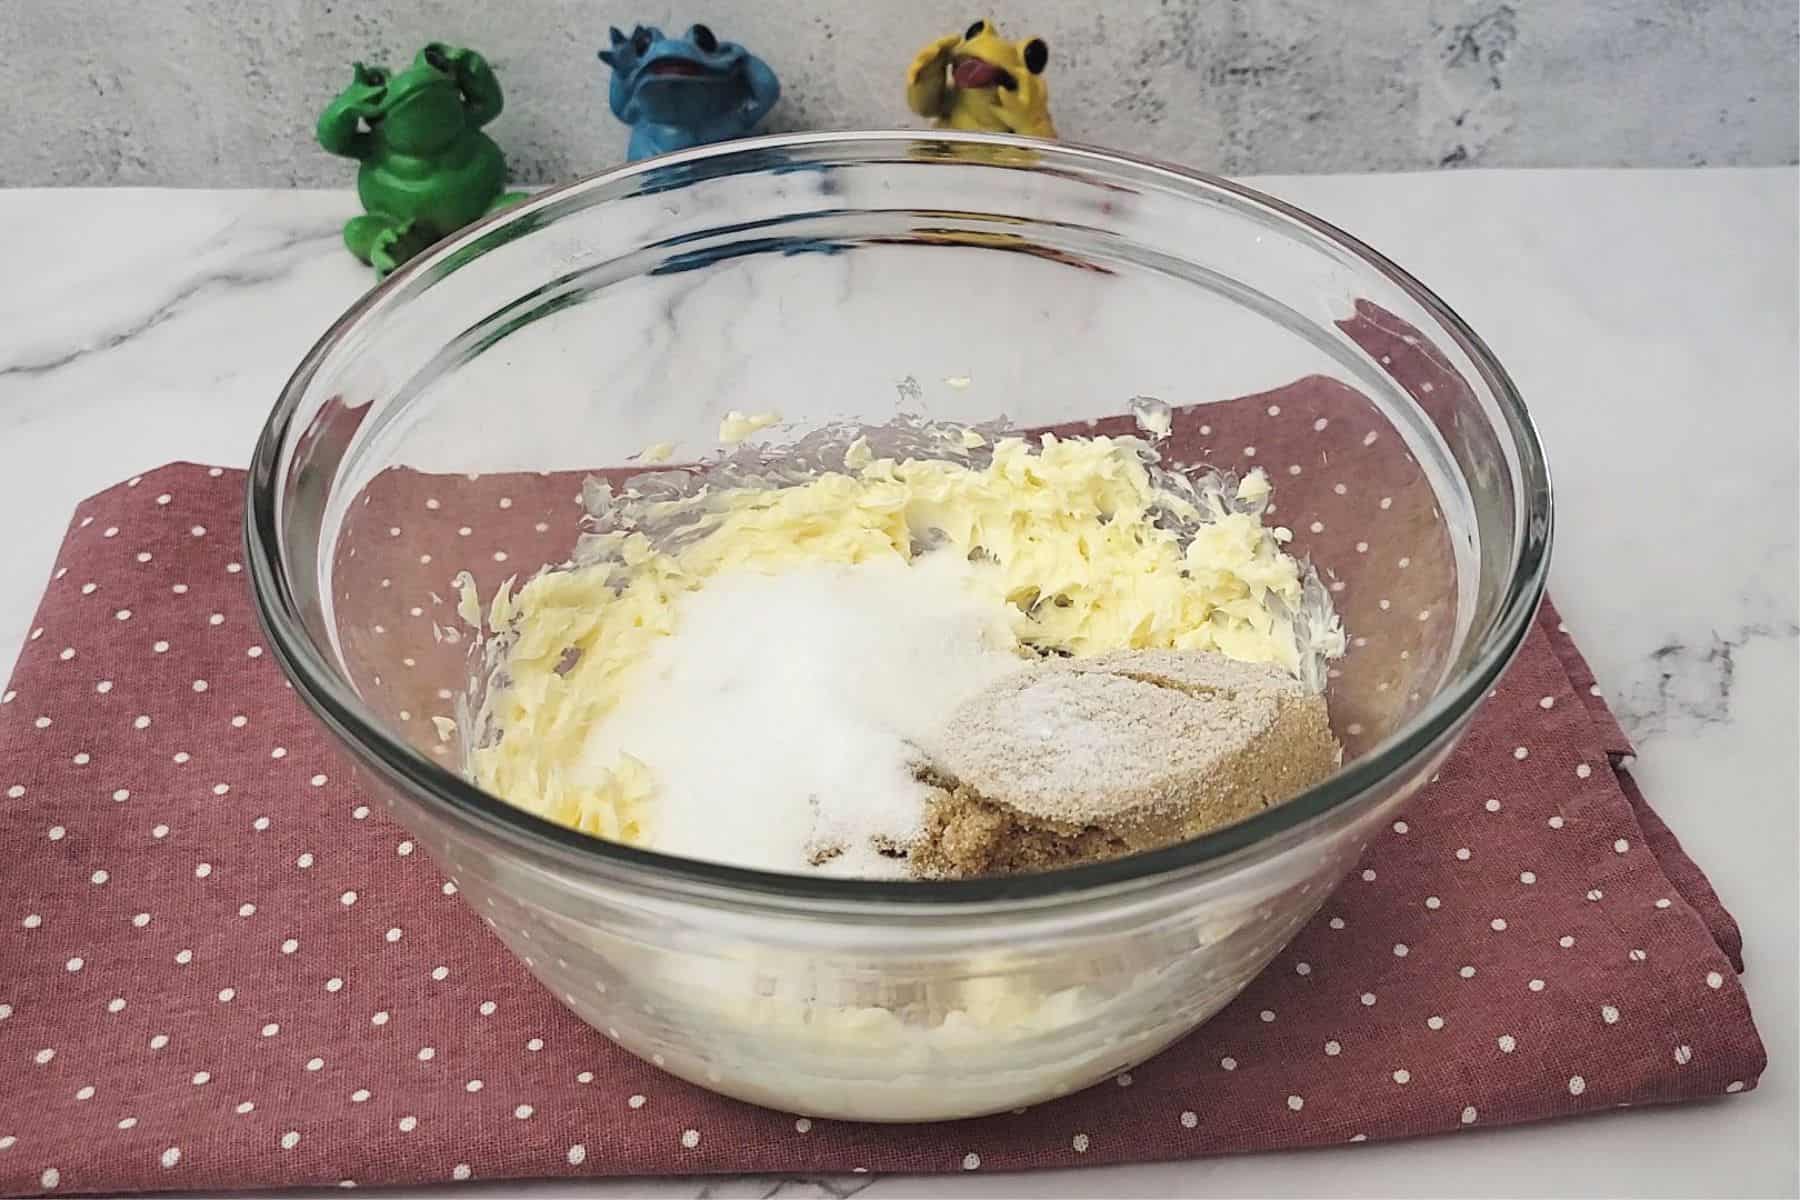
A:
x,y
676,93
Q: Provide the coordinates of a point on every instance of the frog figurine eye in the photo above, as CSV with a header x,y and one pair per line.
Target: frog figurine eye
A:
x,y
640,41
974,31
704,39
436,59
1037,56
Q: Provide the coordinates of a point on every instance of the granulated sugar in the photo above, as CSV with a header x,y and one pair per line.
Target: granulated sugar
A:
x,y
780,719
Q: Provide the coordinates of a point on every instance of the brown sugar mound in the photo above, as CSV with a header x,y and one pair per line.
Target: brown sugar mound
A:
x,y
1076,760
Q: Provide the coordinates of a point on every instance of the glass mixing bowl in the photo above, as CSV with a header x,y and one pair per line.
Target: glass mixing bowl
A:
x,y
445,422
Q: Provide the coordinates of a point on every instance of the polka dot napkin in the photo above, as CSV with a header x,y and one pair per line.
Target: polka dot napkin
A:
x,y
220,967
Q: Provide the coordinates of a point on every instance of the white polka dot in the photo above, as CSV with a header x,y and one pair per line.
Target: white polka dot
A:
x,y
1662,902
202,1078
1124,1079
460,1171
171,1156
1402,1076
1400,950
1434,1022
394,934
116,1004
141,721
120,795
182,756
1462,854
290,1139
359,813
1714,980
1527,877
271,1029
1555,822
1303,968
534,1045
1507,1043
1368,876
44,1056
334,984
971,1160
1492,806
1228,1062
1296,1103
1498,924
1466,972
1521,752
260,824
32,920
1267,1015
577,1154
408,1124
317,781
403,849
1468,1115
244,1106
1367,999
1577,1085
50,1177
1734,1087
1336,922
1536,985
636,1101
1189,1119
304,861
159,1041
289,945
1565,941
74,964
359,1096
427,1053
99,877
1333,1049
1620,846
227,995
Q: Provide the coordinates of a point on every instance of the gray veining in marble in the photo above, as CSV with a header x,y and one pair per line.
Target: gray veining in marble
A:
x,y
200,93
1649,318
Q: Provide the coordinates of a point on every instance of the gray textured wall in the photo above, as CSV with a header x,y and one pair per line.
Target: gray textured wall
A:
x,y
212,92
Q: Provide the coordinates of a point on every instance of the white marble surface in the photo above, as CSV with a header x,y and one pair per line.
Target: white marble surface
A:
x,y
1648,317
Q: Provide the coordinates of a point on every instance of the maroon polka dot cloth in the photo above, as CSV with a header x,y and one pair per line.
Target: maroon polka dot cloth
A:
x,y
221,968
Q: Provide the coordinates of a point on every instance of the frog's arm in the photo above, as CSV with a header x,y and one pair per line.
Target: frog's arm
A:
x,y
1028,115
765,90
481,91
927,90
338,128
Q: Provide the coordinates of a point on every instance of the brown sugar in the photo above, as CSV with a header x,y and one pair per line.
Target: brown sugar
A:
x,y
1077,760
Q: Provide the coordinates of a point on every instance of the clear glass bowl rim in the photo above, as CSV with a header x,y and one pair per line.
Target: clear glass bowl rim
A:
x,y
610,863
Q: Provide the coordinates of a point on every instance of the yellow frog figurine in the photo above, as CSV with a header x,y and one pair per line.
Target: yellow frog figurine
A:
x,y
977,80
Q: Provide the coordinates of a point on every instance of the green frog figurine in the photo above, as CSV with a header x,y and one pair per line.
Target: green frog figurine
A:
x,y
427,169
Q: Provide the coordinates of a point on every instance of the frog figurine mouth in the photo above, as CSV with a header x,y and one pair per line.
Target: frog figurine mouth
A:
x,y
969,72
679,68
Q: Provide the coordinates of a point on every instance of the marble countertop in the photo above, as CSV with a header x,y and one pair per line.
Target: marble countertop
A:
x,y
1649,318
